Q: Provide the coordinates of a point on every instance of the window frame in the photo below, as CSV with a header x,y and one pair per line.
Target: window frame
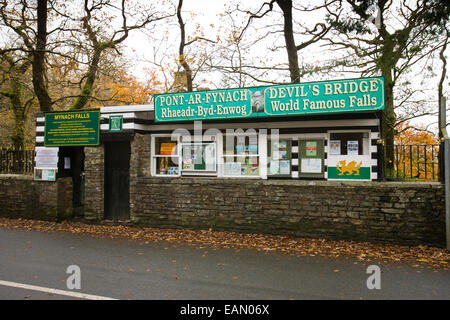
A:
x,y
258,155
196,172
365,142
154,156
269,155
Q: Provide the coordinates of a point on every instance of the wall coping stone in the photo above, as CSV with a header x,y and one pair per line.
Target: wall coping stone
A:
x,y
288,182
18,177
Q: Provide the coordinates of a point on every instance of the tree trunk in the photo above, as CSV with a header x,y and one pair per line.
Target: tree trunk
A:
x,y
294,70
86,90
388,129
442,117
181,57
441,121
14,94
18,137
39,78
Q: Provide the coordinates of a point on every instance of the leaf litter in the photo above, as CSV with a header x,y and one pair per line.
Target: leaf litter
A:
x,y
416,256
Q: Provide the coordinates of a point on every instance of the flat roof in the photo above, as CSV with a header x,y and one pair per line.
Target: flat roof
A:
x,y
129,108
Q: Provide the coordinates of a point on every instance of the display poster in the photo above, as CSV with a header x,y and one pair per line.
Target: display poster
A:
x,y
45,174
46,158
188,164
199,157
172,171
253,161
285,167
209,153
167,148
311,148
335,147
275,155
274,167
232,168
352,148
311,165
253,170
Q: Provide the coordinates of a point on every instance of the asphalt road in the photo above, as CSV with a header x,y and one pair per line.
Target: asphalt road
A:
x,y
123,269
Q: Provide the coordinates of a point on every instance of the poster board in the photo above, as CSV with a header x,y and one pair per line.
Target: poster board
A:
x,y
46,158
45,174
46,163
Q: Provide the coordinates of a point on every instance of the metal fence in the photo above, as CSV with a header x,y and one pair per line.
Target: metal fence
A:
x,y
16,161
418,162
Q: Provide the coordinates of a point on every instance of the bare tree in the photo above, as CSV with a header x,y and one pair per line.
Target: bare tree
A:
x,y
289,31
381,46
188,74
80,36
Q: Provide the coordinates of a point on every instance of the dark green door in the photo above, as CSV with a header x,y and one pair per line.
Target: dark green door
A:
x,y
117,180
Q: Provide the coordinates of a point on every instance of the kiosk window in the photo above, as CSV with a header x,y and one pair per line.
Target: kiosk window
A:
x,y
165,159
279,158
241,156
199,157
352,143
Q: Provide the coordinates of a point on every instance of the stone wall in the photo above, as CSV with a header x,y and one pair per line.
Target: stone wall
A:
x,y
21,196
400,213
403,213
94,182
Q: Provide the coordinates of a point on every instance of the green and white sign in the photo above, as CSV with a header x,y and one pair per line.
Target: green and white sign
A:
x,y
325,97
115,123
79,128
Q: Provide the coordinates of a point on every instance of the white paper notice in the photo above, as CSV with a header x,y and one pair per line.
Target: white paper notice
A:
x,y
66,162
311,165
335,147
352,148
47,158
274,167
285,167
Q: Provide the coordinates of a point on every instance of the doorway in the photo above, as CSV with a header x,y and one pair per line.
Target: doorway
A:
x,y
71,164
117,180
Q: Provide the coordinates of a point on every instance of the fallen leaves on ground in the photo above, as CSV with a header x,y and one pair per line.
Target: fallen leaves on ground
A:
x,y
363,251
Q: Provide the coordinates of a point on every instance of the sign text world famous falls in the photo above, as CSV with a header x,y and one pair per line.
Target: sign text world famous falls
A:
x,y
349,95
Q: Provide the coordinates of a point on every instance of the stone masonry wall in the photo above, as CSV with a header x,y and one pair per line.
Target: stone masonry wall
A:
x,y
21,196
94,182
402,213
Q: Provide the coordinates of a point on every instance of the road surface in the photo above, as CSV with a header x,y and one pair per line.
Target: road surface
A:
x,y
34,265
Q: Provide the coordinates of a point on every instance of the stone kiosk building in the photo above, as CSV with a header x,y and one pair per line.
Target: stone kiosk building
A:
x,y
300,159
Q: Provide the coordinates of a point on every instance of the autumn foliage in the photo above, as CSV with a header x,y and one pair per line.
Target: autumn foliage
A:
x,y
416,154
209,239
127,90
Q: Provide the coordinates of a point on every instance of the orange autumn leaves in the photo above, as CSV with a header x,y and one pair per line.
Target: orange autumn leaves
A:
x,y
128,90
416,153
416,256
